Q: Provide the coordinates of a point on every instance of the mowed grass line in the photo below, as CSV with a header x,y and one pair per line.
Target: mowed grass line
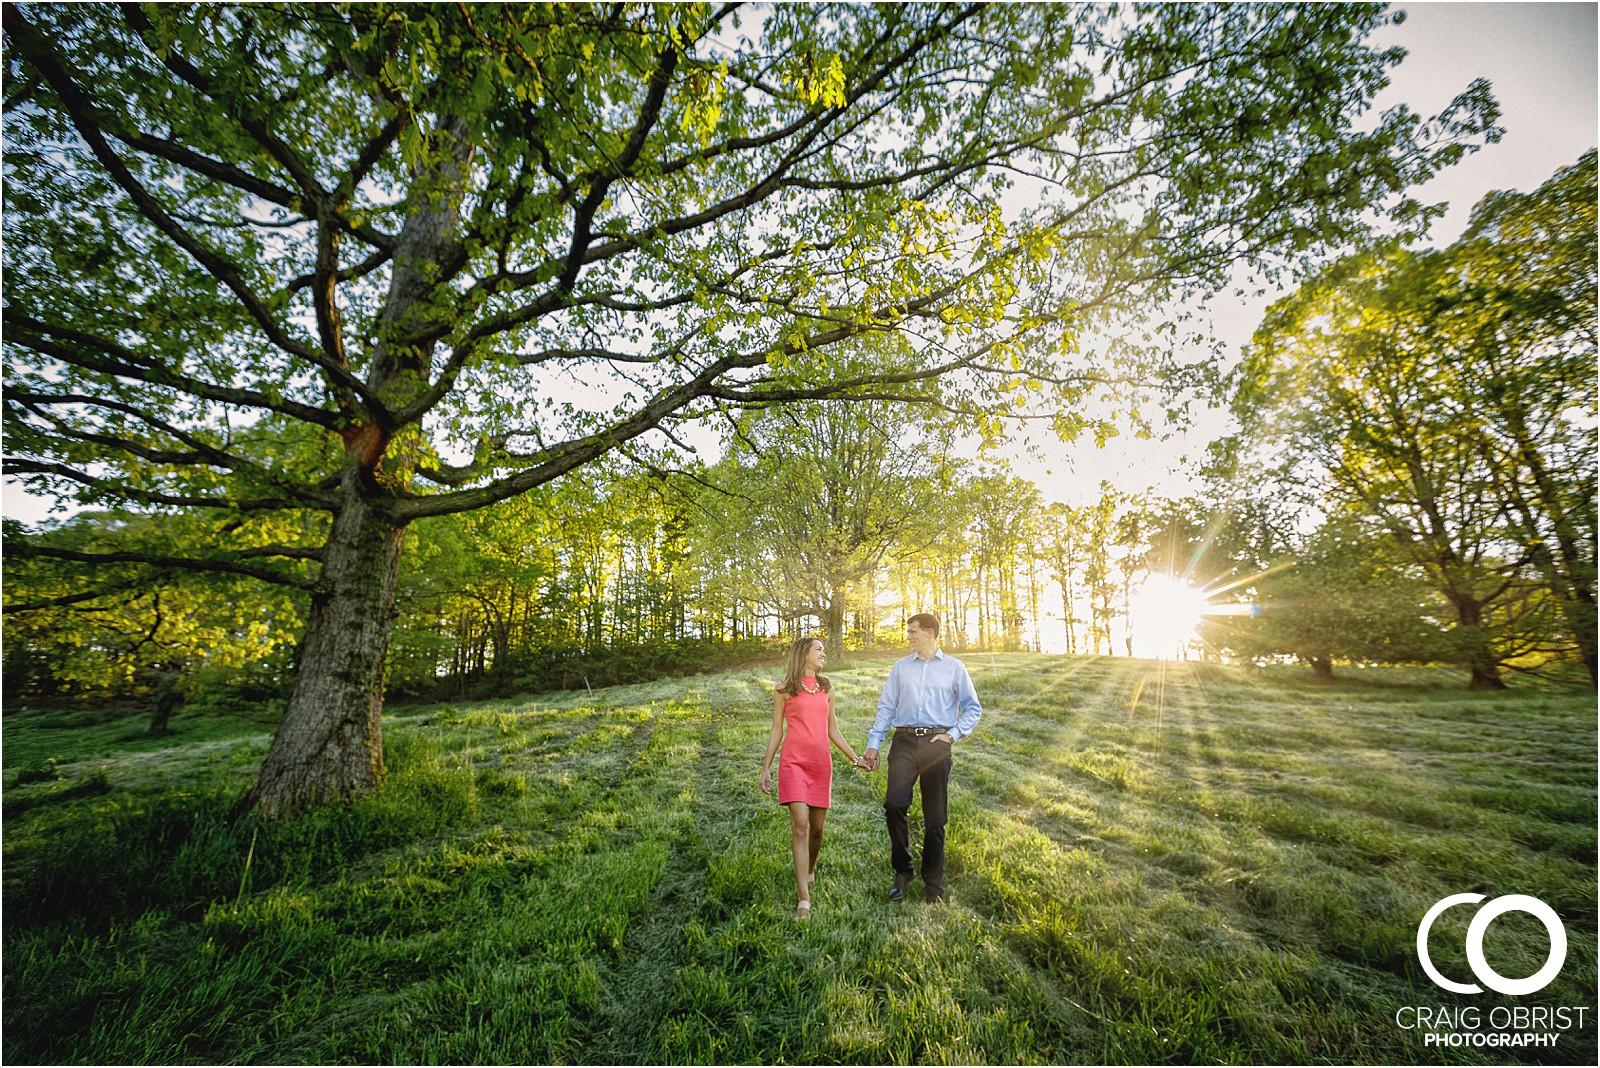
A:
x,y
1149,863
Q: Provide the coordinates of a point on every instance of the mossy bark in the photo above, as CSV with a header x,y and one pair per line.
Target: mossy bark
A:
x,y
329,747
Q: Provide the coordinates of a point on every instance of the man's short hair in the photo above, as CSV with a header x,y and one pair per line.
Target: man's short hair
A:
x,y
925,621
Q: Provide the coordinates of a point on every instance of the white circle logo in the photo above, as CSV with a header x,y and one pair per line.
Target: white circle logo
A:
x,y
1474,944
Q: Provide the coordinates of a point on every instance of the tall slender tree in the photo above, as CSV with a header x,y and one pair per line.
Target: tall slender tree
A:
x,y
1065,533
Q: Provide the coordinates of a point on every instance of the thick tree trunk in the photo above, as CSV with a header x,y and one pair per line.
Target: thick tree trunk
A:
x,y
834,622
1580,613
165,698
1485,675
1575,600
329,747
1478,652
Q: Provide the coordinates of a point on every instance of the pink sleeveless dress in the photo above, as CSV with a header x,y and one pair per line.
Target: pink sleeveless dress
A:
x,y
805,767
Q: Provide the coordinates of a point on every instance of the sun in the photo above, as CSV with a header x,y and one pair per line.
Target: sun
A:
x,y
1165,615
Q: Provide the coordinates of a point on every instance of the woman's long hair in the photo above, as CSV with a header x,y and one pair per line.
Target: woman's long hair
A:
x,y
795,669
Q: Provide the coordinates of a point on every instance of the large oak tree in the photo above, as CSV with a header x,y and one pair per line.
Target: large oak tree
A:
x,y
363,264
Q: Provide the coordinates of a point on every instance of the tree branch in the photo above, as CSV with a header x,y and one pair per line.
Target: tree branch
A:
x,y
15,465
345,274
817,122
214,169
71,598
288,551
253,125
533,358
583,217
205,452
42,54
123,363
21,550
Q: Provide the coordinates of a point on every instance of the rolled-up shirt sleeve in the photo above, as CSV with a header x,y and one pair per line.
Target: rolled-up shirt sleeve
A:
x,y
886,706
967,701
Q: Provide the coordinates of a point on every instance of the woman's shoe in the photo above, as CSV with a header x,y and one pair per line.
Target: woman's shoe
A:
x,y
803,911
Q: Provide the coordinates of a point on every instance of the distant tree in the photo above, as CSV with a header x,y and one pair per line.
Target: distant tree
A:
x,y
939,573
1451,395
1099,576
827,492
1064,533
734,592
1344,594
1522,320
376,263
1130,533
166,695
1000,516
599,575
477,586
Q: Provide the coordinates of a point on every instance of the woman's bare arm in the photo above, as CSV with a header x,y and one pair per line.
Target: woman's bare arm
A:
x,y
836,737
778,698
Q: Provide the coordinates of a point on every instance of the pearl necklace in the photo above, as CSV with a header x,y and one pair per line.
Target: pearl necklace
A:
x,y
809,689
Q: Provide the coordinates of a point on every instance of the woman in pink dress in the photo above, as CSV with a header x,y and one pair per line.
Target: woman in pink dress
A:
x,y
802,705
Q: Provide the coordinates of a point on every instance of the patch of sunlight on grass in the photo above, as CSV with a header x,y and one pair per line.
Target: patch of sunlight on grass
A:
x,y
1108,768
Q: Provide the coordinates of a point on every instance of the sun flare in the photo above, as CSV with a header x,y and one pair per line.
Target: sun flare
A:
x,y
1165,615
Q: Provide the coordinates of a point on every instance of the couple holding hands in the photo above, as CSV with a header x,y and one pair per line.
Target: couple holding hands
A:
x,y
930,703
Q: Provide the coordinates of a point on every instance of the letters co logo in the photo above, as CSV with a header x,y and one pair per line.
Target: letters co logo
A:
x,y
1475,931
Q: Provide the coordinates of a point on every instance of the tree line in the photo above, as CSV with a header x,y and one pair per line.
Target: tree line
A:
x,y
1418,430
842,519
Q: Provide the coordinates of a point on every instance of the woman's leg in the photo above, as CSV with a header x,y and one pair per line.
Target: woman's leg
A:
x,y
800,843
819,816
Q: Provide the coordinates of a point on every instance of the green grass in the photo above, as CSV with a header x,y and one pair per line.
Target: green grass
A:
x,y
1188,864
34,737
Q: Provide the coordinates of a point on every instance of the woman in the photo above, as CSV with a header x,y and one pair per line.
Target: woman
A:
x,y
803,703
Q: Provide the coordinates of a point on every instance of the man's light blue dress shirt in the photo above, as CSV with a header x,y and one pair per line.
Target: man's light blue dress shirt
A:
x,y
936,692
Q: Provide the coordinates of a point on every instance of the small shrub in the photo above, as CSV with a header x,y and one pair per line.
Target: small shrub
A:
x,y
47,770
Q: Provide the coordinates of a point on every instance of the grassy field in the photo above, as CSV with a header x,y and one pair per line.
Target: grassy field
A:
x,y
1147,864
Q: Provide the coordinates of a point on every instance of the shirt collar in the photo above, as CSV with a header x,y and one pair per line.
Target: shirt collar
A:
x,y
938,654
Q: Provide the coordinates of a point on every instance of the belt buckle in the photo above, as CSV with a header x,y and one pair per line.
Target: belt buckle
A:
x,y
921,732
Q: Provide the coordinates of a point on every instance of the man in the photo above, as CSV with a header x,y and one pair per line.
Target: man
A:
x,y
930,703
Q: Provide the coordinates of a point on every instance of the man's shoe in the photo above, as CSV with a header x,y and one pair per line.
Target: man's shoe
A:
x,y
898,890
935,896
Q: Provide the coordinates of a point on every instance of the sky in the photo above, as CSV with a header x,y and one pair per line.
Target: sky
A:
x,y
1541,61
